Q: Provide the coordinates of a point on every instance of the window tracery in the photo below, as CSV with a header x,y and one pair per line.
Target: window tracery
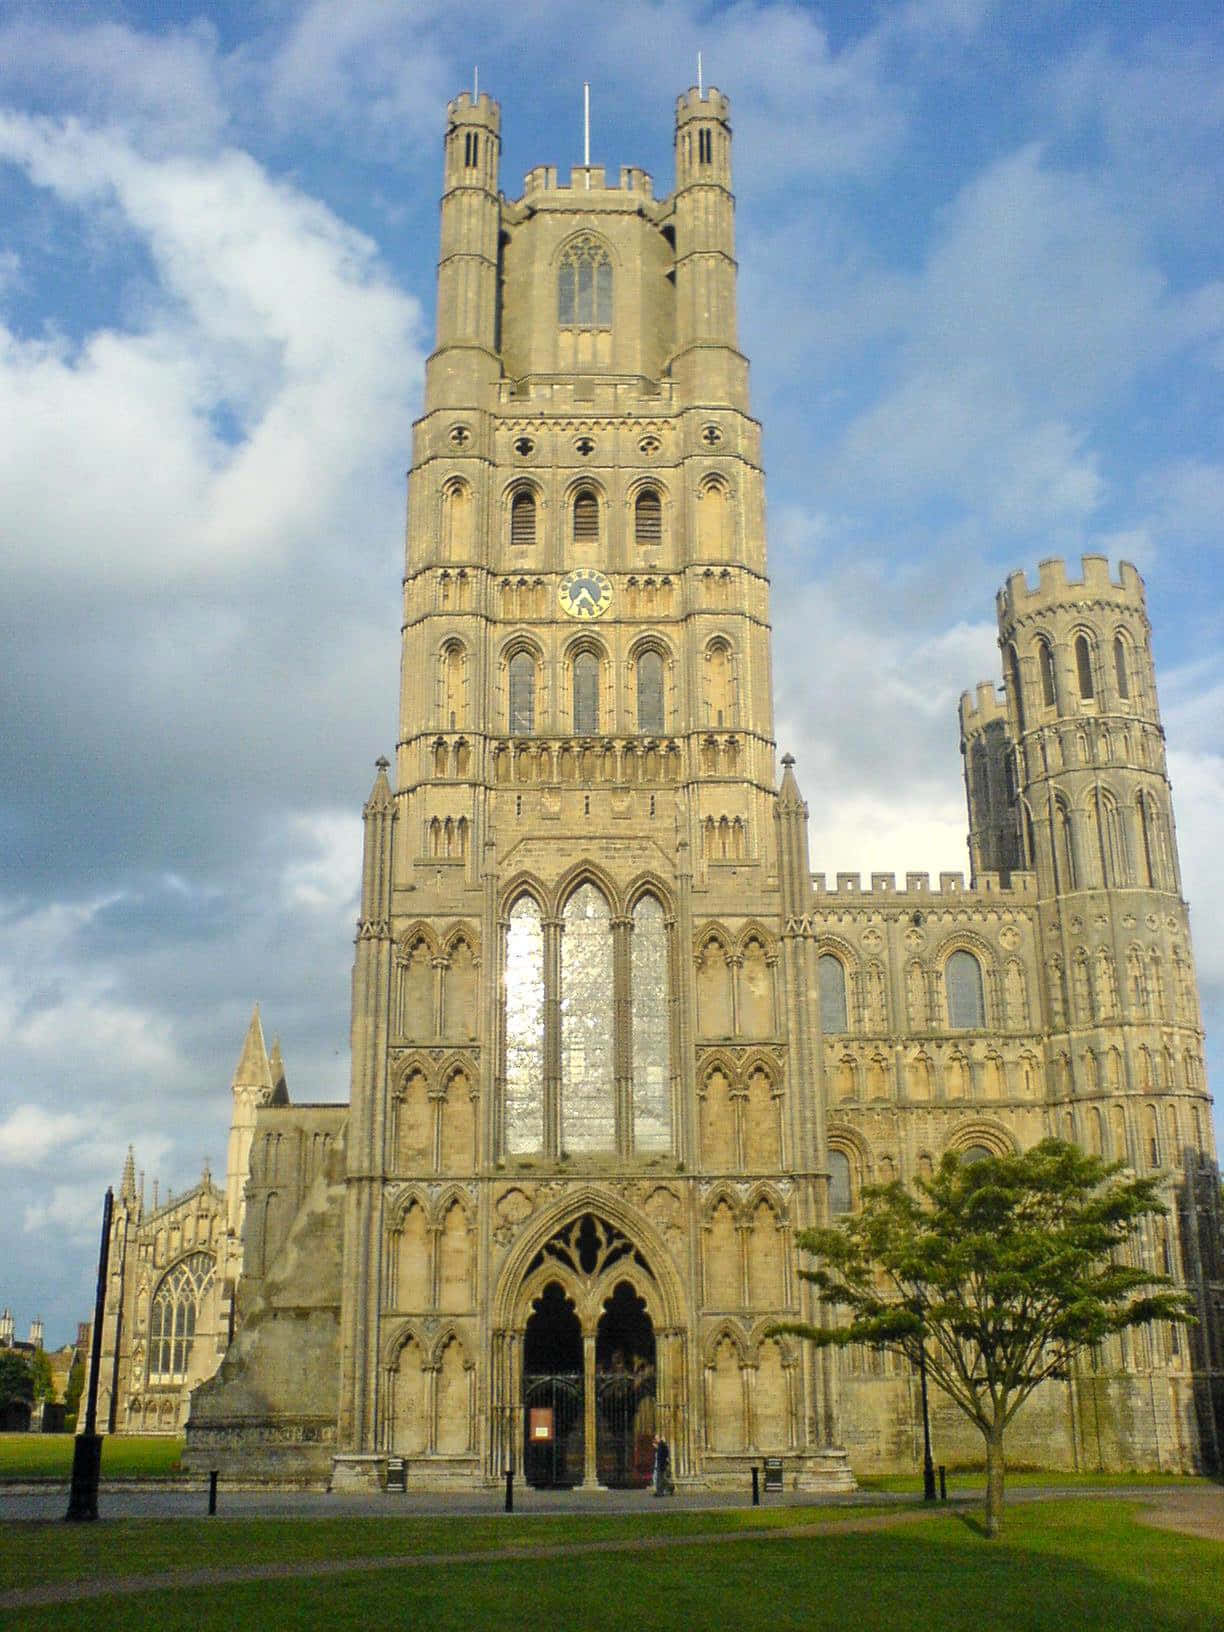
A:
x,y
174,1316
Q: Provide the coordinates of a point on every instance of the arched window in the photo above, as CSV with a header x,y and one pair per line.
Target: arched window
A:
x,y
650,693
650,1009
1064,848
1120,674
588,1082
584,286
713,521
586,694
841,1195
966,1001
975,1153
1045,664
1083,668
832,994
720,684
523,518
1012,663
172,1320
1115,852
524,989
648,518
522,694
586,517
454,703
457,520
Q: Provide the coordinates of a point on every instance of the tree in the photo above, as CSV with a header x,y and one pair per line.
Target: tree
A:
x,y
16,1379
1000,1271
73,1392
44,1377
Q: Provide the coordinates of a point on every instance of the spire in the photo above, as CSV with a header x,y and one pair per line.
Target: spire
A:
x,y
789,797
127,1185
253,1070
276,1065
381,797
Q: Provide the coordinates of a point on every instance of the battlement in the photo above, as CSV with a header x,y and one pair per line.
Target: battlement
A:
x,y
702,104
1018,598
484,111
586,180
984,706
850,886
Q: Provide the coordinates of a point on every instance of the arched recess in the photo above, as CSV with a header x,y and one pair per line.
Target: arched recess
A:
x,y
457,1111
412,1121
723,1266
454,665
980,1131
762,1103
715,529
456,1235
768,1252
725,1391
720,684
715,1008
460,969
718,1116
588,1260
457,520
415,956
757,957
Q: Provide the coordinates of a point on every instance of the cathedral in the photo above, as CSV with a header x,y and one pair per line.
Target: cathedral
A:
x,y
614,1043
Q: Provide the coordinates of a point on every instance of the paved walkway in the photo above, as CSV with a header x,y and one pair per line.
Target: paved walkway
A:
x,y
1195,1510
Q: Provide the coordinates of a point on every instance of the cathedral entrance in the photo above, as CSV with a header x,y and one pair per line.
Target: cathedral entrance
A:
x,y
624,1391
553,1438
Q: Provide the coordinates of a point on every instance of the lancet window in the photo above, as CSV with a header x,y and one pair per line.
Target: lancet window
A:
x,y
586,1083
832,994
966,1001
650,692
584,286
522,694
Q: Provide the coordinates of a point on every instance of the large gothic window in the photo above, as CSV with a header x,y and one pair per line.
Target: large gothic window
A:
x,y
584,286
651,1028
524,1084
587,1083
966,1000
172,1320
522,694
588,1107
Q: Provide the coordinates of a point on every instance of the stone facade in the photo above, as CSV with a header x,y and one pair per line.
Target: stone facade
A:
x,y
613,1044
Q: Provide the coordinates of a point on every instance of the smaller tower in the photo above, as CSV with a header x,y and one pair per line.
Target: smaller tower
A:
x,y
465,363
707,365
252,1087
990,783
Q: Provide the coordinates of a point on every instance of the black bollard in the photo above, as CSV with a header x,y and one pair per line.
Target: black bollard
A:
x,y
943,1483
756,1487
509,1490
212,1493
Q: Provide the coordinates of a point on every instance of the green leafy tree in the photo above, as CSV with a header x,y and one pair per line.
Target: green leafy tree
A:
x,y
16,1379
73,1390
1001,1270
44,1378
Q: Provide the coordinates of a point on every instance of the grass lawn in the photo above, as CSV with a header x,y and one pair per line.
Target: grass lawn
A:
x,y
962,1481
1068,1565
49,1456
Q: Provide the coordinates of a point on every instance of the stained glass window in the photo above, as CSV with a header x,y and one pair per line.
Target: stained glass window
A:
x,y
649,1007
588,1100
524,1101
172,1320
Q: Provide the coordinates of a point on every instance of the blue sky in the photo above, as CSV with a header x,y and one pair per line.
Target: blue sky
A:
x,y
980,249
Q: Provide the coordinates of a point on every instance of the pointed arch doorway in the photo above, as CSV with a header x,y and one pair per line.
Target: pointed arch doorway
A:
x,y
589,1385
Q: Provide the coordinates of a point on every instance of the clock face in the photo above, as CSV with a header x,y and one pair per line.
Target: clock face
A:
x,y
585,594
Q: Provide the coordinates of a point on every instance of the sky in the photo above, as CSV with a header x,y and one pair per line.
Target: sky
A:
x,y
980,252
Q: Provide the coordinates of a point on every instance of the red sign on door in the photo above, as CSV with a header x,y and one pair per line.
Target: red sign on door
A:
x,y
540,1424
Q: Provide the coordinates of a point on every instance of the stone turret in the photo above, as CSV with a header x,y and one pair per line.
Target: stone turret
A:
x,y
707,365
252,1087
464,363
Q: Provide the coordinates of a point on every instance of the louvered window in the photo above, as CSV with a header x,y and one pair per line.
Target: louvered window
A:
x,y
648,518
523,519
586,519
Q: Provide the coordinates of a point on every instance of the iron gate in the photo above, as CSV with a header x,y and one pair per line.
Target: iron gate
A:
x,y
555,1461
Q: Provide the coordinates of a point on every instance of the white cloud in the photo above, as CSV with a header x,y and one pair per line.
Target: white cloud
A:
x,y
29,1134
268,373
325,874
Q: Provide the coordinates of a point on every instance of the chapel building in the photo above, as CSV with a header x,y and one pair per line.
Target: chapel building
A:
x,y
613,1042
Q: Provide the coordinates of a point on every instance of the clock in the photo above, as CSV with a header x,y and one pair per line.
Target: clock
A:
x,y
584,594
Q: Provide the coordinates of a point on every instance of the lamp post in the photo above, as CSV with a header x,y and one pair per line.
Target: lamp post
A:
x,y
928,1466
87,1451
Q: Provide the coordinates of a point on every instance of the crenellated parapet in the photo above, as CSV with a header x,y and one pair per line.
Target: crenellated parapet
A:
x,y
1095,587
1020,887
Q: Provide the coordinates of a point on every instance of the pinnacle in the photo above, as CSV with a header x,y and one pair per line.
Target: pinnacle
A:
x,y
253,1069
